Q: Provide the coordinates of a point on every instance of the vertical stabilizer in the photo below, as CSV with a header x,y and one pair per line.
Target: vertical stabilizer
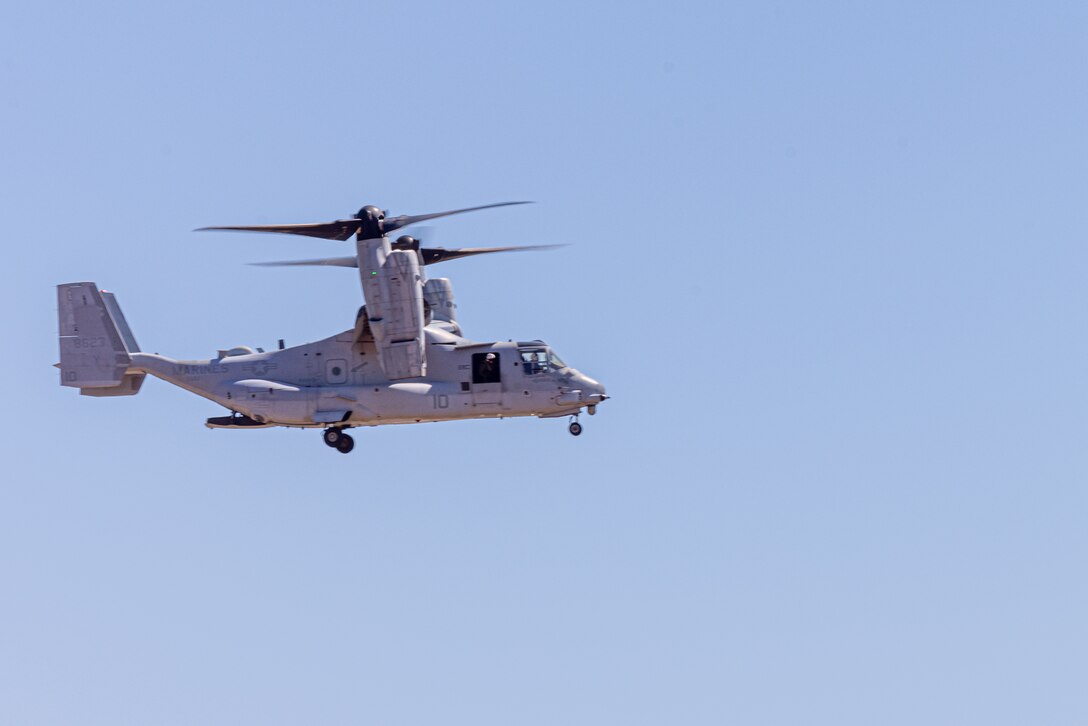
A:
x,y
119,322
95,342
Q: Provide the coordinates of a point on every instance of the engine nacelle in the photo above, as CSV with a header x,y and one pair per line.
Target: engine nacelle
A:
x,y
438,294
393,288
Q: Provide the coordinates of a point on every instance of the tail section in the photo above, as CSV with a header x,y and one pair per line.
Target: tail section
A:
x,y
95,342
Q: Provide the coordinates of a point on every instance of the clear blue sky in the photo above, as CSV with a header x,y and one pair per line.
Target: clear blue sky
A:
x,y
829,258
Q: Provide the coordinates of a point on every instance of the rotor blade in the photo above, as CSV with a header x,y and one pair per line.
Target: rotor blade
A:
x,y
428,233
391,224
325,262
433,255
341,229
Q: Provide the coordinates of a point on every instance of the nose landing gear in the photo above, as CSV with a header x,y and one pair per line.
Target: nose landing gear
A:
x,y
339,440
575,428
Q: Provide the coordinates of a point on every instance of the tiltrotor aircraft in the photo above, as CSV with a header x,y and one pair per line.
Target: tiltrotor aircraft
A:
x,y
404,361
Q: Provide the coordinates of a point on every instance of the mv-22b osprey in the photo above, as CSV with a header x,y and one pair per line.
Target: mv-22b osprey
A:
x,y
404,361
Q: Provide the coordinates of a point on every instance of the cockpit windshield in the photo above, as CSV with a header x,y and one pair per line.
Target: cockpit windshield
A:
x,y
539,360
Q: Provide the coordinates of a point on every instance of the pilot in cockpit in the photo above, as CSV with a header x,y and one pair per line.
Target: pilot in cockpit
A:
x,y
534,361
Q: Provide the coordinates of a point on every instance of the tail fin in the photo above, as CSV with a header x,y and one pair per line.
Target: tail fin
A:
x,y
95,342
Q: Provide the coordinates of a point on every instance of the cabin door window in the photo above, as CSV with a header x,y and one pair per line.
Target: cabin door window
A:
x,y
486,379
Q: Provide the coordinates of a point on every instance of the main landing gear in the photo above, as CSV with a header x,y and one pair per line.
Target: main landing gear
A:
x,y
575,428
338,439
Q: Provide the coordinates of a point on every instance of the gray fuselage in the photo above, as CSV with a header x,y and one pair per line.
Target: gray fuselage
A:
x,y
338,381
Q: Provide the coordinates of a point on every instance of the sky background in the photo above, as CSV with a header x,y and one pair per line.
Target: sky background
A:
x,y
829,259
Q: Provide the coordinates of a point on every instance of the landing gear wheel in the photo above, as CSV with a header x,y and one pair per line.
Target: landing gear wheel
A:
x,y
345,444
575,428
333,436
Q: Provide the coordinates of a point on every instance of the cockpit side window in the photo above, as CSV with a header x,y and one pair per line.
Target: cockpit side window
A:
x,y
534,361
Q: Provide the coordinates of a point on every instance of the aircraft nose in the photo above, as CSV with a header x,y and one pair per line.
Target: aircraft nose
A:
x,y
595,389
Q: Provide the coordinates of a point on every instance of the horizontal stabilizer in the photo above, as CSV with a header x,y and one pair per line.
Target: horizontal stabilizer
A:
x,y
129,386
